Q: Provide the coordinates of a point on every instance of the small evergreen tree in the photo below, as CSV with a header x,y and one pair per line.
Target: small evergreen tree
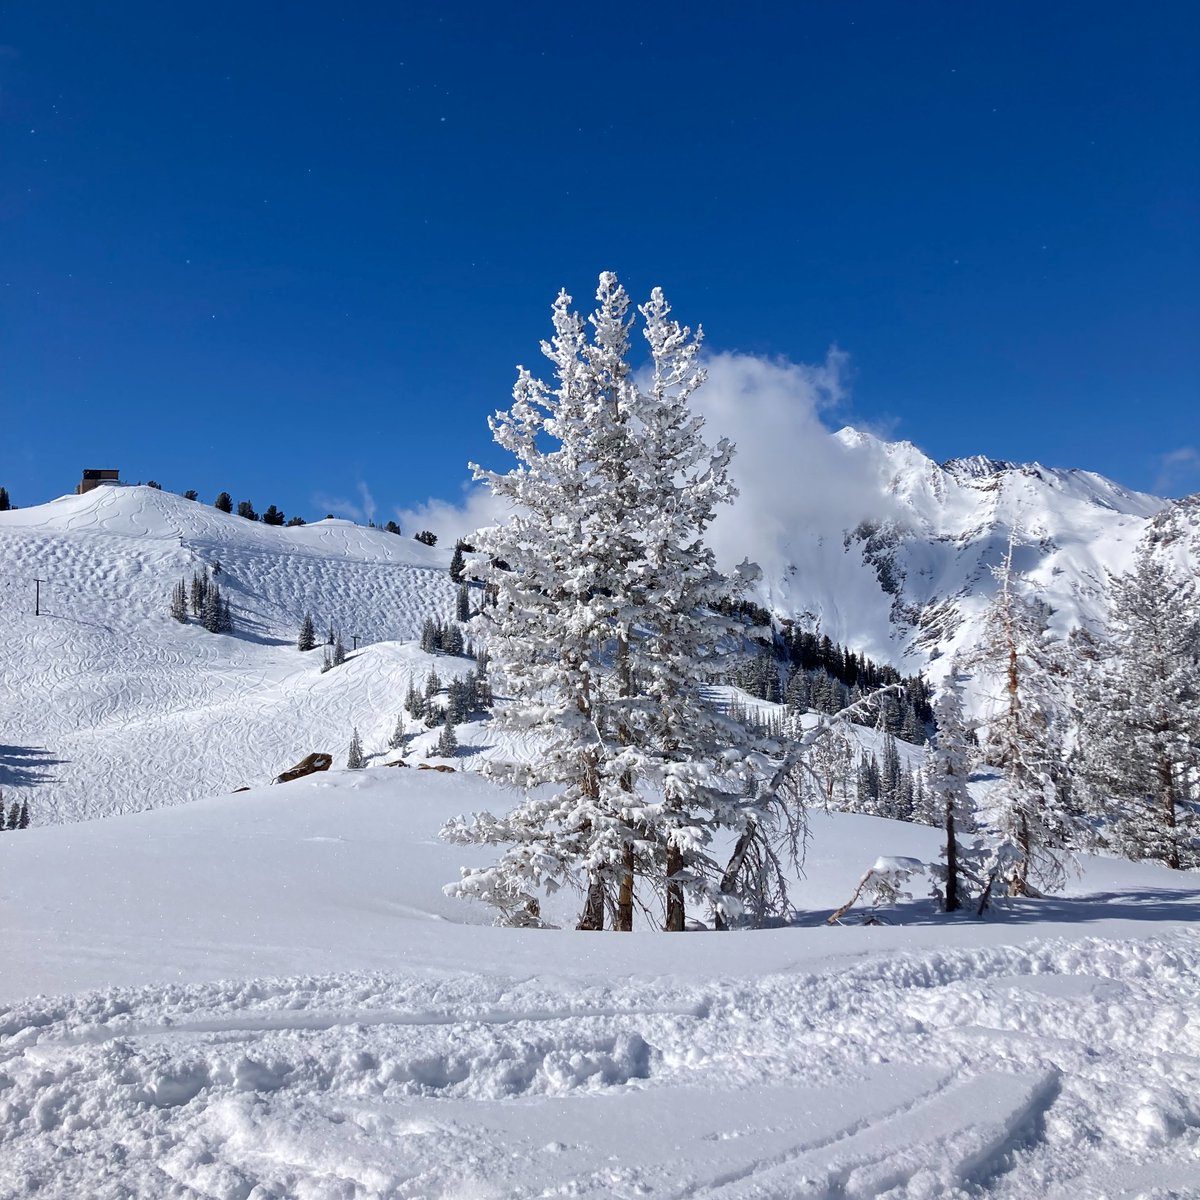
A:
x,y
326,661
179,602
226,620
308,635
295,522
447,746
191,494
246,509
392,527
14,816
452,639
355,760
414,701
462,603
224,502
426,538
272,516
431,636
23,819
433,685
5,504
946,783
339,652
457,563
211,617
399,737
199,588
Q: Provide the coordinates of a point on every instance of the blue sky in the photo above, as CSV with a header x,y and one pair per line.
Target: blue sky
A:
x,y
295,251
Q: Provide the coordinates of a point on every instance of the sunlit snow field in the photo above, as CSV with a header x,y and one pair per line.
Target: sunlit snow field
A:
x,y
267,994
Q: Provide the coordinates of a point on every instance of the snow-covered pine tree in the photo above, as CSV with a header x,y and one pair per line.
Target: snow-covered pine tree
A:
x,y
326,661
211,616
339,651
399,738
414,701
199,588
431,636
179,602
433,685
452,638
457,564
832,765
946,783
1140,714
225,622
1023,737
355,760
462,603
601,622
23,816
308,634
890,773
447,744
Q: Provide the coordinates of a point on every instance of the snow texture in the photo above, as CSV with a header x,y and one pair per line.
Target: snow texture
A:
x,y
367,1043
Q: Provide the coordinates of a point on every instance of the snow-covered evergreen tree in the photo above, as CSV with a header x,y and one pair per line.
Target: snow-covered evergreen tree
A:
x,y
210,618
457,564
945,783
1023,737
431,636
1140,714
447,744
308,634
355,760
179,603
339,651
462,603
399,737
414,701
604,617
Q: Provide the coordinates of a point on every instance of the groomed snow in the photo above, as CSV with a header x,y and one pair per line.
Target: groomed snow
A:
x,y
373,1039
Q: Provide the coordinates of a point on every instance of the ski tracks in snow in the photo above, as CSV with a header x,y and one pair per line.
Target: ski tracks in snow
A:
x,y
1060,1069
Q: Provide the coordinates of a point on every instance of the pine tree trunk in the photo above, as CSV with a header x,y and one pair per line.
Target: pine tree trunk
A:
x,y
952,902
675,909
592,917
1018,885
1169,818
625,895
732,869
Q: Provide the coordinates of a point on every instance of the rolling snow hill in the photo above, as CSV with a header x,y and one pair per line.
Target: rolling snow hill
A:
x,y
108,705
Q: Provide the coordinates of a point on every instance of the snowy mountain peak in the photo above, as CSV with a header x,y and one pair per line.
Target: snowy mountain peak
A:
x,y
977,466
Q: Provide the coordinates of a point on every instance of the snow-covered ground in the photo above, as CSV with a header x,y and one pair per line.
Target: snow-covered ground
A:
x,y
108,705
268,995
372,1038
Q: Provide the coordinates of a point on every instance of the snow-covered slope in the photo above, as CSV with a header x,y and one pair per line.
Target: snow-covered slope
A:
x,y
372,1039
908,585
109,705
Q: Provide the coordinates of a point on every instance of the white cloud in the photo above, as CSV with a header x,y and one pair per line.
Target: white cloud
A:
x,y
450,520
1178,471
790,470
339,506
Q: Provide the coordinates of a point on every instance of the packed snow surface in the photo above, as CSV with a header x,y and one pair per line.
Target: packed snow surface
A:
x,y
268,995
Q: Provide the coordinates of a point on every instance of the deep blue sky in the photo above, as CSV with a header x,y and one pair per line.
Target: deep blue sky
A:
x,y
285,249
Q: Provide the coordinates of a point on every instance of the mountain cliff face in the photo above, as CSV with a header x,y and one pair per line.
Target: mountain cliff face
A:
x,y
909,585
